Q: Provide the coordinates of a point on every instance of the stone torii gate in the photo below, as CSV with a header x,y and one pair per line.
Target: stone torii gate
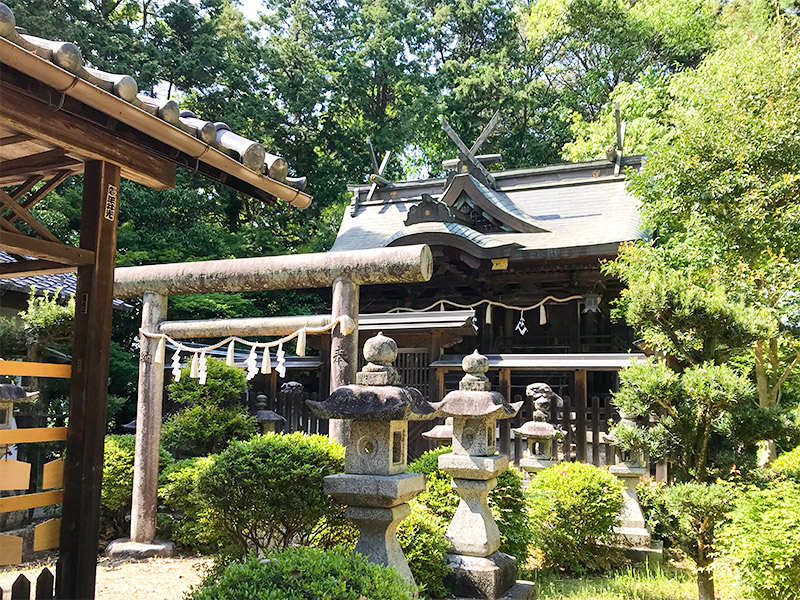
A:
x,y
345,272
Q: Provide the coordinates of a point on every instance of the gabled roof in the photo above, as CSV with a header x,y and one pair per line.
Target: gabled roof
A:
x,y
576,209
496,204
63,284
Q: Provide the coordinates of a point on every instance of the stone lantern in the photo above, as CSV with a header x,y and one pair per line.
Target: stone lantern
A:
x,y
538,433
267,419
443,434
376,485
479,569
631,465
11,394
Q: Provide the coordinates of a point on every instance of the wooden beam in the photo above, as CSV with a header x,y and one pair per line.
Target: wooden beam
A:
x,y
27,501
23,214
29,268
91,346
17,138
31,116
39,194
26,187
15,368
61,253
32,435
36,163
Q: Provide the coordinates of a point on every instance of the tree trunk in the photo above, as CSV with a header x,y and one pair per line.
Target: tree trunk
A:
x,y
705,585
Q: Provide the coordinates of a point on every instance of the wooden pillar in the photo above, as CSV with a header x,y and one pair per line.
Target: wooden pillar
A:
x,y
148,424
83,472
436,354
580,404
344,348
596,431
505,424
574,326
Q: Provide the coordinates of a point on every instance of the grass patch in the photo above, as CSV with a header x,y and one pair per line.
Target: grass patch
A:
x,y
654,582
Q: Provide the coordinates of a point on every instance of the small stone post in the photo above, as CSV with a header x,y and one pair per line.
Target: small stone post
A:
x,y
479,569
375,484
267,419
539,434
632,532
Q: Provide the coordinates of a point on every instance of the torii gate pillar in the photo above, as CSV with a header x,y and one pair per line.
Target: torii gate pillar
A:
x,y
344,349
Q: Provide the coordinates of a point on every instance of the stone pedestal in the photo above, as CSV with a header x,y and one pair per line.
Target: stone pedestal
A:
x,y
632,530
377,529
479,569
481,577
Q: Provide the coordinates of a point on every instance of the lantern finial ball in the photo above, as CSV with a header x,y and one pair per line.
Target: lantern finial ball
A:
x,y
380,349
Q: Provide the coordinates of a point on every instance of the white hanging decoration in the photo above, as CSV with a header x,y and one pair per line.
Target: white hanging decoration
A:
x,y
158,359
194,371
266,361
281,366
475,324
202,374
542,315
301,342
251,362
489,313
176,365
229,357
521,327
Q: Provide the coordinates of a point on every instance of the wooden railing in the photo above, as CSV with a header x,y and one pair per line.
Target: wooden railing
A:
x,y
23,589
15,475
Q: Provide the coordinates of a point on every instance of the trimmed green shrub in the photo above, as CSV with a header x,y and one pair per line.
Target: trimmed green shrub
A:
x,y
574,508
223,387
267,492
763,541
117,490
188,522
506,501
697,511
788,465
653,502
304,574
205,429
421,536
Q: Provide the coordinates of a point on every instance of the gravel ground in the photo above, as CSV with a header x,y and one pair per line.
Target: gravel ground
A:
x,y
154,579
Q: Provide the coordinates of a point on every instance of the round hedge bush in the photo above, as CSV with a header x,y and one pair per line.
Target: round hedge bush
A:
x,y
787,465
574,508
117,490
302,573
187,521
267,492
763,541
506,501
421,536
205,429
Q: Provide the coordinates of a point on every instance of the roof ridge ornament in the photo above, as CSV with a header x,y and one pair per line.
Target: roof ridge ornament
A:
x,y
376,177
468,160
429,210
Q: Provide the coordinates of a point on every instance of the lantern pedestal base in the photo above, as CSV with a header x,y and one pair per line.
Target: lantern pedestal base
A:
x,y
477,577
377,535
533,465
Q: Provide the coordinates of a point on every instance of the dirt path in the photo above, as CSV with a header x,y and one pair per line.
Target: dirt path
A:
x,y
154,579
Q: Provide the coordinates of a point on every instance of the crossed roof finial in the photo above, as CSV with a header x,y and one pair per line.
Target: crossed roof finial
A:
x,y
468,160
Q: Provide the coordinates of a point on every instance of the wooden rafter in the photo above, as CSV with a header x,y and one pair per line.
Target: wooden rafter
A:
x,y
17,138
36,163
47,250
29,268
39,194
23,214
26,187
